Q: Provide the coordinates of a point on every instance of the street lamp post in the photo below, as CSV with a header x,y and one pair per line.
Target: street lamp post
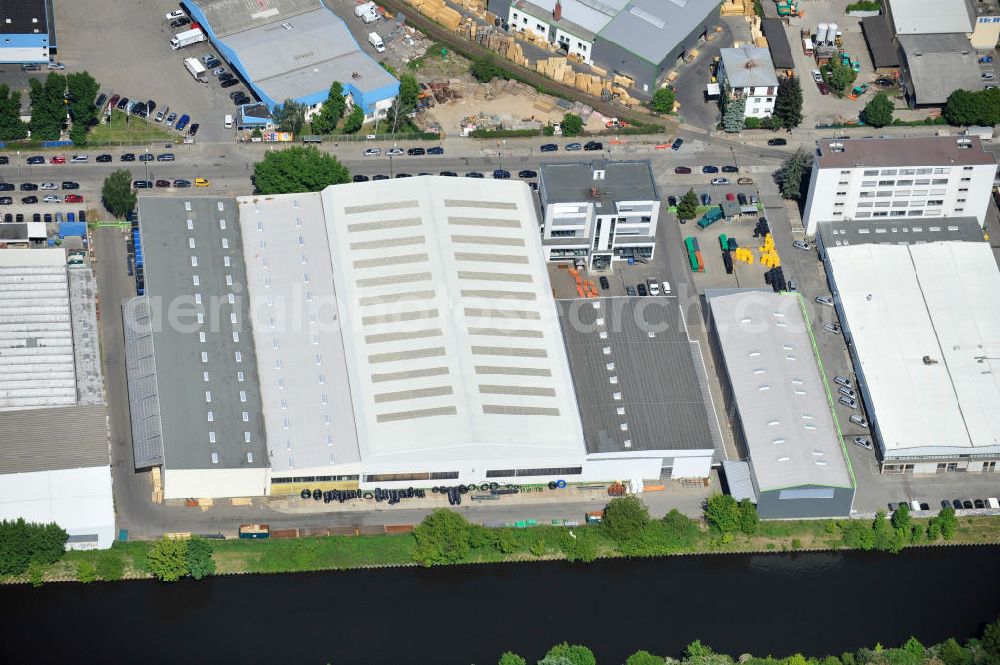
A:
x,y
146,162
18,164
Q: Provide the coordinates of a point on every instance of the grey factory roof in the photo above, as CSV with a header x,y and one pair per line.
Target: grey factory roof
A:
x,y
748,67
777,43
231,16
634,369
917,17
780,394
86,339
573,182
651,29
739,480
896,232
53,438
879,39
299,343
143,393
205,367
940,64
37,367
902,151
23,17
303,55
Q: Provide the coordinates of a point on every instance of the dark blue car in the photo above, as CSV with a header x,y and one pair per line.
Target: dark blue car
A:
x,y
182,123
710,169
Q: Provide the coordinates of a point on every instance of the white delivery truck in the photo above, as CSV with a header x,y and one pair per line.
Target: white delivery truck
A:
x,y
364,8
196,69
371,16
376,41
186,38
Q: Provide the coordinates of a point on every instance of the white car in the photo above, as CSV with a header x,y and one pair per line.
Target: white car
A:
x,y
863,442
801,244
817,76
176,14
48,185
859,421
52,198
720,181
393,152
666,288
372,152
79,159
56,65
654,289
832,328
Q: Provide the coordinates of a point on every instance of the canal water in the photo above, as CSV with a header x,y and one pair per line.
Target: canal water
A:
x,y
765,604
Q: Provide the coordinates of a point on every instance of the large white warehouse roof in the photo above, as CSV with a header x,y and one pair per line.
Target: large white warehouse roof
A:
x,y
925,324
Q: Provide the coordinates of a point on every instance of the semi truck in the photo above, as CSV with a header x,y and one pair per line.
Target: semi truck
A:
x,y
196,69
186,38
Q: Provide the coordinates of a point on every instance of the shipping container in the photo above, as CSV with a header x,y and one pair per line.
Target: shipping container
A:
x,y
701,263
693,259
727,260
723,242
689,242
254,531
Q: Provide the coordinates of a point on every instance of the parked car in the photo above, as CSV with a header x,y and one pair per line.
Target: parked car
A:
x,y
549,147
448,174
201,182
415,152
146,157
706,200
720,181
967,504
801,244
103,158
710,169
605,284
847,392
127,157
671,201
676,145
36,159
593,145
859,421
181,182
194,129
69,184
680,170
170,119
380,177
630,290
832,327
7,187
817,76
654,287
842,381
182,123
501,174
730,169
58,159
956,504
163,183
372,152
987,76
28,200
527,173
863,442
404,175
122,104
774,142
825,300
6,201
847,401
28,187
73,198
641,289
218,71
574,146
474,174
52,198
436,150
142,184
393,152
979,503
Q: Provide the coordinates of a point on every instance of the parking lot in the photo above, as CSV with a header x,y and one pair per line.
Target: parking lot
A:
x,y
125,46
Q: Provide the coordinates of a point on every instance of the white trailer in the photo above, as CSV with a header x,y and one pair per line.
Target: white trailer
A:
x,y
196,69
186,38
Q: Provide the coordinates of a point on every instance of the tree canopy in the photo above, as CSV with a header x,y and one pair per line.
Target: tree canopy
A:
x,y
443,537
167,559
732,117
485,70
687,207
839,76
878,112
117,194
25,543
981,107
399,113
793,173
572,124
48,107
298,169
325,122
788,103
663,100
354,120
290,116
12,128
199,558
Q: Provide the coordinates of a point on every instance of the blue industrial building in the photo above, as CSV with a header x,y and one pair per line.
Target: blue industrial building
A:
x,y
294,49
28,31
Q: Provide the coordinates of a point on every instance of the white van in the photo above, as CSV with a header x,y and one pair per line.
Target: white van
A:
x,y
376,41
229,121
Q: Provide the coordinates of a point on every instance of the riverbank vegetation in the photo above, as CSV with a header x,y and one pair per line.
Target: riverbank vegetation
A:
x,y
984,650
446,537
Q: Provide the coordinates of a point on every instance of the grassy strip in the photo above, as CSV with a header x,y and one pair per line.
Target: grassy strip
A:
x,y
543,542
123,130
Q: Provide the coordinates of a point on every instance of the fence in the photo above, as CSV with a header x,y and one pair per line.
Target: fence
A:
x,y
359,137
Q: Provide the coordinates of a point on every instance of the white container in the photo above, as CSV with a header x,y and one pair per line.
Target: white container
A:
x,y
821,33
831,33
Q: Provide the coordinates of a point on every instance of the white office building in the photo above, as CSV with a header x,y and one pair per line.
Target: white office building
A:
x,y
932,176
748,73
598,212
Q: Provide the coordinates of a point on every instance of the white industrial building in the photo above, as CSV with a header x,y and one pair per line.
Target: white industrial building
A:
x,y
931,176
922,323
779,406
748,73
55,463
598,212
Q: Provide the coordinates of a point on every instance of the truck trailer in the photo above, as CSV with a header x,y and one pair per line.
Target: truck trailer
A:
x,y
196,69
186,38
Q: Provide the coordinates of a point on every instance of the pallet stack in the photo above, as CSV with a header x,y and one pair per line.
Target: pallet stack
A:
x,y
438,11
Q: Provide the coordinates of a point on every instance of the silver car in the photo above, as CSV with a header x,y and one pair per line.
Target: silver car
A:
x,y
842,381
832,328
846,392
802,244
863,442
859,421
847,401
825,300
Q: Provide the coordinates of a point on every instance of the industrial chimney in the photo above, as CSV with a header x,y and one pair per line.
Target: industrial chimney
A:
x,y
557,11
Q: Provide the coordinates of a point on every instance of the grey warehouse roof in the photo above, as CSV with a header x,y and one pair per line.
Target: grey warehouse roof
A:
x,y
633,365
939,65
651,29
202,345
748,67
916,17
780,394
55,438
896,232
777,42
573,182
231,16
902,151
879,38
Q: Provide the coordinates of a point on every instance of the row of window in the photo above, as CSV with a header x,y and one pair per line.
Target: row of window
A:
x,y
310,479
397,477
920,171
519,473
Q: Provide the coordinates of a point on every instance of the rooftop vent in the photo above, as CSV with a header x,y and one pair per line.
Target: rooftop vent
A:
x,y
557,11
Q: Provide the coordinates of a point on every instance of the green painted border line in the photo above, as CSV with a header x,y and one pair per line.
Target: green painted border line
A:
x,y
826,387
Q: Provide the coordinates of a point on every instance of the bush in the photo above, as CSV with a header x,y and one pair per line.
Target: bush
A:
x,y
644,658
864,6
443,537
751,123
199,558
167,559
511,658
110,567
663,100
85,572
624,520
573,654
572,124
298,169
722,513
485,70
580,544
25,543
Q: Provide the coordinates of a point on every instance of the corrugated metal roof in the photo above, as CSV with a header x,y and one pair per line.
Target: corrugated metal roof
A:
x,y
651,29
55,438
777,42
748,67
880,44
738,480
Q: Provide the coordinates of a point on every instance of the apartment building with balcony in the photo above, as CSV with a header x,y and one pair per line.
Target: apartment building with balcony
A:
x,y
929,177
598,212
748,73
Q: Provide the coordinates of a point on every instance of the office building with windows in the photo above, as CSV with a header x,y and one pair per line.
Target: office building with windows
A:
x,y
598,212
748,74
912,178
